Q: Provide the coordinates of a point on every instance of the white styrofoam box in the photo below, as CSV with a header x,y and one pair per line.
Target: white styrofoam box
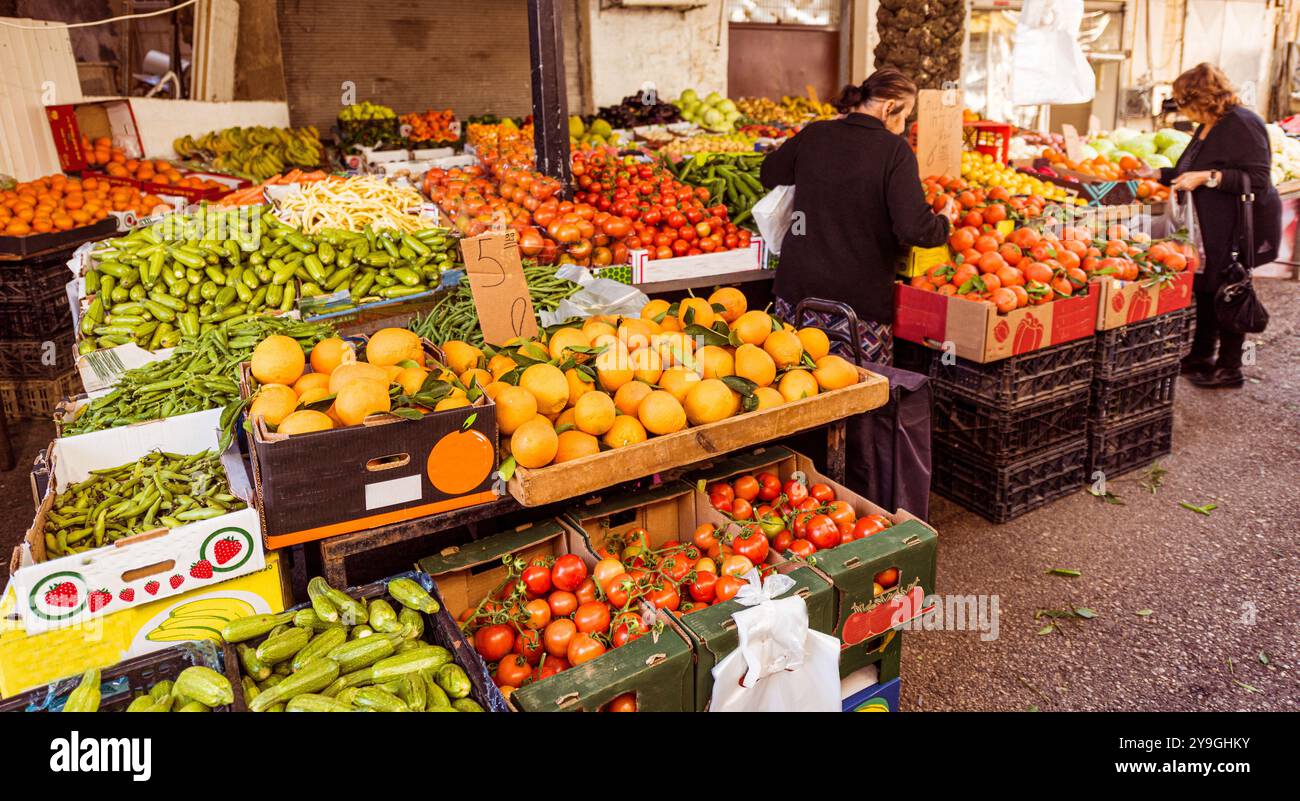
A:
x,y
648,271
71,589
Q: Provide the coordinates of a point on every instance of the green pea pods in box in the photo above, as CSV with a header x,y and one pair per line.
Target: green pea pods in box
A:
x,y
154,563
655,667
862,618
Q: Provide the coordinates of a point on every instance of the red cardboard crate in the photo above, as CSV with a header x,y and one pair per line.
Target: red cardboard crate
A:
x,y
111,118
1123,302
979,333
190,194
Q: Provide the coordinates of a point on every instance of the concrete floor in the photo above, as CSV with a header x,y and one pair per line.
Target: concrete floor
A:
x,y
1221,590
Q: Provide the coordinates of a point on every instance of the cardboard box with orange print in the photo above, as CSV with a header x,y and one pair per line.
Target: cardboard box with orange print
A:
x,y
1123,302
386,470
35,659
979,333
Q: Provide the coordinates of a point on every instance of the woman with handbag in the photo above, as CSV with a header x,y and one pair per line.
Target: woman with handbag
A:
x,y
857,203
1226,161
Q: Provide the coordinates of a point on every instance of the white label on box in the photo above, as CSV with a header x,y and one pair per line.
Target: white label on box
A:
x,y
393,492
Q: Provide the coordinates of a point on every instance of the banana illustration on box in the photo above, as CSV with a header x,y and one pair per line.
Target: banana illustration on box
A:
x,y
201,619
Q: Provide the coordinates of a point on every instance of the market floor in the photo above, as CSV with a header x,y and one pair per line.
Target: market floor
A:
x,y
1192,612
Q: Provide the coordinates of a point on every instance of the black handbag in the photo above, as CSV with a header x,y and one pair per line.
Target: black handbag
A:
x,y
1236,306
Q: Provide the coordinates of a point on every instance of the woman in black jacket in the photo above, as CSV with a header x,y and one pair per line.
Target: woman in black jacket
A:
x,y
1230,144
857,203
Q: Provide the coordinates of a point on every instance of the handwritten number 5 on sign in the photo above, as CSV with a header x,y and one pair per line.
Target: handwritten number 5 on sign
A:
x,y
496,280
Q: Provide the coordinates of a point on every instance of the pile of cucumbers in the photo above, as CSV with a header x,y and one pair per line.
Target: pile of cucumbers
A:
x,y
369,264
197,689
731,178
343,654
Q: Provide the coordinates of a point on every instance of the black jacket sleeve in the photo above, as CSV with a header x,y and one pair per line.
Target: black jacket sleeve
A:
x,y
778,167
1247,139
913,221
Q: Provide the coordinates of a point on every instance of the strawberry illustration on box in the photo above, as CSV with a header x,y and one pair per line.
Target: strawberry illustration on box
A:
x,y
56,591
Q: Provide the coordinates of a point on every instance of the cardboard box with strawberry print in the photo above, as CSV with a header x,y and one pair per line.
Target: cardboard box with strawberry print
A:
x,y
52,593
1123,302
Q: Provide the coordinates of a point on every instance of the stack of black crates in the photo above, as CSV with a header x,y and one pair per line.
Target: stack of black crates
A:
x,y
1009,436
1131,413
37,364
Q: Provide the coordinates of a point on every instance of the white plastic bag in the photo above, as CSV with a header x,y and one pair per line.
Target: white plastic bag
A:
x,y
773,214
1048,64
597,296
780,664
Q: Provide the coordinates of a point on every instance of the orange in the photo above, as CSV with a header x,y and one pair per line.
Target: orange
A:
x,y
732,299
715,362
784,347
273,402
594,328
411,379
313,395
646,365
346,373
495,388
677,381
565,419
635,332
797,384
501,364
534,444
461,356
834,372
660,413
753,327
515,406
612,368
815,342
595,412
674,347
328,354
392,345
548,385
451,402
629,396
768,398
278,359
753,363
476,376
564,340
578,384
710,401
700,311
654,309
627,430
304,422
574,444
360,398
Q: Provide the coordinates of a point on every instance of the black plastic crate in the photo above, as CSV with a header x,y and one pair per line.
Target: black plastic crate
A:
x,y
1000,493
1119,399
1140,346
36,398
1002,435
121,683
1118,449
41,319
1019,381
31,280
37,358
913,356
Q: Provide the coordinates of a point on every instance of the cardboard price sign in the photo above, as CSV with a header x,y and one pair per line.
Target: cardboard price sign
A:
x,y
1073,144
496,279
938,134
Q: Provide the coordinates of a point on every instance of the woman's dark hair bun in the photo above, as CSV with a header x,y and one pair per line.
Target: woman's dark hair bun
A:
x,y
886,83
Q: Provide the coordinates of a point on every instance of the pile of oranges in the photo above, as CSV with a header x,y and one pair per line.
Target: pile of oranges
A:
x,y
1101,167
113,161
60,203
612,382
980,205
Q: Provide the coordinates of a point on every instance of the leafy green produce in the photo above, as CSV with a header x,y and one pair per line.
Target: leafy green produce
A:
x,y
453,316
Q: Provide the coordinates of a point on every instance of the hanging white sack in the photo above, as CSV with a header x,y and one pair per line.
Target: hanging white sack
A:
x,y
773,213
780,664
1048,65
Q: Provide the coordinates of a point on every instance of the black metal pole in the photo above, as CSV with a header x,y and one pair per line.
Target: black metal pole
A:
x,y
550,102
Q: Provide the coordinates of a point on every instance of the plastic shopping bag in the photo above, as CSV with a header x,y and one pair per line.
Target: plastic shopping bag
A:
x,y
780,664
597,296
1048,64
773,214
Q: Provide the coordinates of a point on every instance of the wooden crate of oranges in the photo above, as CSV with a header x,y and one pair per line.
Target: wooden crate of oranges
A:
x,y
613,399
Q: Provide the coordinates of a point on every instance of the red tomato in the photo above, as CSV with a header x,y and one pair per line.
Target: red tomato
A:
x,y
822,492
887,577
841,513
605,570
557,635
586,592
623,703
727,587
747,487
513,671
494,642
782,541
539,613
741,509
736,565
753,546
823,532
802,548
666,597
592,616
705,536
568,573
677,566
583,648
704,587
865,527
562,603
769,486
721,488
529,645
794,491
537,580
619,590
721,502
551,665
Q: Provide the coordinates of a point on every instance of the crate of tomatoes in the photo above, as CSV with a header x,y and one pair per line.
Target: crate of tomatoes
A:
x,y
659,547
881,564
529,602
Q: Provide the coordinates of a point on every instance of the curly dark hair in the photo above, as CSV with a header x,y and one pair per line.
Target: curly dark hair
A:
x,y
885,83
1207,89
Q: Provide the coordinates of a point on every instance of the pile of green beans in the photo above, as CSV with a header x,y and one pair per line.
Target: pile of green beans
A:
x,y
202,373
160,490
372,264
453,316
185,275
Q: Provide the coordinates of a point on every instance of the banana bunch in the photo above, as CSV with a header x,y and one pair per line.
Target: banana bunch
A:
x,y
202,619
366,111
256,153
766,110
807,106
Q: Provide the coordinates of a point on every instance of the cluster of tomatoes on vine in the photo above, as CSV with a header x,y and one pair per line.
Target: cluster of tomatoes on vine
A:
x,y
793,517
